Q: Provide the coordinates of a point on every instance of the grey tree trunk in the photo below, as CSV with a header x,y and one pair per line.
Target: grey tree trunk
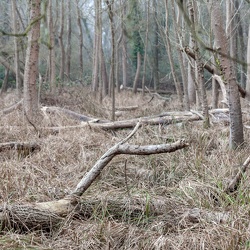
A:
x,y
52,57
80,41
68,48
31,63
177,24
61,43
236,125
17,63
171,60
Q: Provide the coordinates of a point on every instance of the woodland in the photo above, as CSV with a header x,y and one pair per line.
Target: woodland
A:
x,y
124,124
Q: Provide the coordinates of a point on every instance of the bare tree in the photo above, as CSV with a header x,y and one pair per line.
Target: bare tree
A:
x,y
80,39
31,63
52,62
236,125
170,57
61,42
17,63
68,48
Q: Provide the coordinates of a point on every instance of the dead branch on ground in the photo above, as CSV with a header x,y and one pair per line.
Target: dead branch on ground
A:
x,y
234,183
47,215
20,146
12,108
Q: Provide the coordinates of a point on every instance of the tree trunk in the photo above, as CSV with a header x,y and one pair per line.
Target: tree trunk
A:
x,y
68,48
80,41
200,70
5,81
124,50
236,125
110,5
52,59
31,63
156,47
182,68
171,60
61,43
248,66
96,49
17,64
137,74
145,49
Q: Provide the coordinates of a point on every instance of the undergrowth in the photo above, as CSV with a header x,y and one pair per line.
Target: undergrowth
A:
x,y
138,202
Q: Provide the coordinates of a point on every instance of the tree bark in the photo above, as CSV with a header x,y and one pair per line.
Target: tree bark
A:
x,y
80,40
17,63
137,74
68,48
61,43
180,58
31,64
52,59
236,125
171,60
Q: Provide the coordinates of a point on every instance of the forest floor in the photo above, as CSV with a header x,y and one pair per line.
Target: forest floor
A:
x,y
165,201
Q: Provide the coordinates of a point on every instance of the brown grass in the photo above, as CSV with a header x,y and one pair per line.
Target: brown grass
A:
x,y
145,205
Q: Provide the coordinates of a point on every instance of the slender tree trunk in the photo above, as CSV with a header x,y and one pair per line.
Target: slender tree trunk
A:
x,y
182,68
17,64
240,44
52,57
5,81
61,43
110,5
200,70
171,60
95,49
156,48
68,48
31,63
145,49
191,80
80,41
248,66
104,75
137,74
124,50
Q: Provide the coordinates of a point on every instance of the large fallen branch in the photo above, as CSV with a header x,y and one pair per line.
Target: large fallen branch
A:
x,y
47,215
165,118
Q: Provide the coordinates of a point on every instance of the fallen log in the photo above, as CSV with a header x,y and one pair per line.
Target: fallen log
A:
x,y
70,113
20,146
47,215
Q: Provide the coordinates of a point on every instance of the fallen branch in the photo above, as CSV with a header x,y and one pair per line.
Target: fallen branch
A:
x,y
233,185
70,113
223,88
12,108
128,108
47,215
19,146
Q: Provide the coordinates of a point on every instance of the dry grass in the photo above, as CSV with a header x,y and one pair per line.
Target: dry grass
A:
x,y
137,202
